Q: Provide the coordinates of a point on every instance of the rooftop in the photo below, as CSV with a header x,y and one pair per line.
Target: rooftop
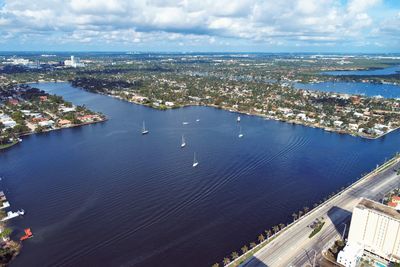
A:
x,y
378,207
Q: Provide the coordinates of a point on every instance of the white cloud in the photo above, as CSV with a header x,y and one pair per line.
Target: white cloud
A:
x,y
283,22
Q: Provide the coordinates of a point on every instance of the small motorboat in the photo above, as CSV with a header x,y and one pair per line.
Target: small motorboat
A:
x,y
28,234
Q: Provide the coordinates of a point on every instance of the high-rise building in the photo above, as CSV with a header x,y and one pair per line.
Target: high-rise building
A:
x,y
74,62
376,228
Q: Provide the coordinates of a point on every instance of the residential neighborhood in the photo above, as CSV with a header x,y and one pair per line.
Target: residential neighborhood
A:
x,y
25,110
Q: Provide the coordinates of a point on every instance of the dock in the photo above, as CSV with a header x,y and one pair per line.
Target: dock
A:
x,y
11,215
5,205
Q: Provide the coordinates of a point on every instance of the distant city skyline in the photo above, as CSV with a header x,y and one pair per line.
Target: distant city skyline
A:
x,y
342,26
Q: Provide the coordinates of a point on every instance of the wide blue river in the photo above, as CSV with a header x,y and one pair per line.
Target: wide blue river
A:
x,y
358,88
104,195
384,71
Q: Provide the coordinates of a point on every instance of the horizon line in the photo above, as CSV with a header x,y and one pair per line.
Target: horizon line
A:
x,y
190,52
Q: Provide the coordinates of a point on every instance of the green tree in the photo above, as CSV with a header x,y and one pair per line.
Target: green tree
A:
x,y
235,255
244,249
294,215
39,129
268,233
306,209
20,129
226,261
6,233
261,238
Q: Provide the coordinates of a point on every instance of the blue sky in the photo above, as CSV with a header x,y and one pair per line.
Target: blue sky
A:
x,y
206,25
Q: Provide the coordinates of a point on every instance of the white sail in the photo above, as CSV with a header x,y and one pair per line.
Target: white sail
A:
x,y
195,162
144,131
183,144
240,133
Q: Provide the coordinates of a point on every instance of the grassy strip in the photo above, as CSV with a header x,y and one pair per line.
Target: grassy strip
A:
x,y
316,230
8,145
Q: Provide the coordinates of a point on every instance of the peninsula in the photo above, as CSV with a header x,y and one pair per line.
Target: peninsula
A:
x,y
25,110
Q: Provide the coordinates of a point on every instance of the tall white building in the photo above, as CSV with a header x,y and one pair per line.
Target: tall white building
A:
x,y
376,228
74,62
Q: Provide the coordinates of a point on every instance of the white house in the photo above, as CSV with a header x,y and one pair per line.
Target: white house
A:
x,y
350,255
338,123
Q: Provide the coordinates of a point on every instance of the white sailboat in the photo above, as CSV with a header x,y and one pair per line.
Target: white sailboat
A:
x,y
195,162
183,144
240,133
238,119
144,130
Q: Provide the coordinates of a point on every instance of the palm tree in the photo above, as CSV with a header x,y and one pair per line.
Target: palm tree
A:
x,y
276,229
268,233
294,215
245,249
315,205
281,225
234,255
300,213
226,261
306,209
261,238
215,265
253,244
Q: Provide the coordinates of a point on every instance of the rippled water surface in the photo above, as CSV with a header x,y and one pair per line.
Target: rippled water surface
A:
x,y
384,71
368,89
104,195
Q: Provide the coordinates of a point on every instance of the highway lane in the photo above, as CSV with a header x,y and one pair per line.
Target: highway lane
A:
x,y
294,248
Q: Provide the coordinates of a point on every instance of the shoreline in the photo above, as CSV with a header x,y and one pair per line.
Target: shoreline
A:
x,y
327,129
297,122
8,146
5,147
72,126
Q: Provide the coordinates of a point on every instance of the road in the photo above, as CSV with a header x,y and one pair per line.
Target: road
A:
x,y
294,248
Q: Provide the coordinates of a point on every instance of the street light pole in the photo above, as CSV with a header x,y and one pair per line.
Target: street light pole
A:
x,y
315,256
344,230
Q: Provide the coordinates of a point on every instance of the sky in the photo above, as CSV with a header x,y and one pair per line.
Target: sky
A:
x,y
364,26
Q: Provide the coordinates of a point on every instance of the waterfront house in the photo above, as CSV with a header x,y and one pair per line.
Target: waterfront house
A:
x,y
13,102
353,126
67,109
46,123
64,122
338,123
88,118
7,121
